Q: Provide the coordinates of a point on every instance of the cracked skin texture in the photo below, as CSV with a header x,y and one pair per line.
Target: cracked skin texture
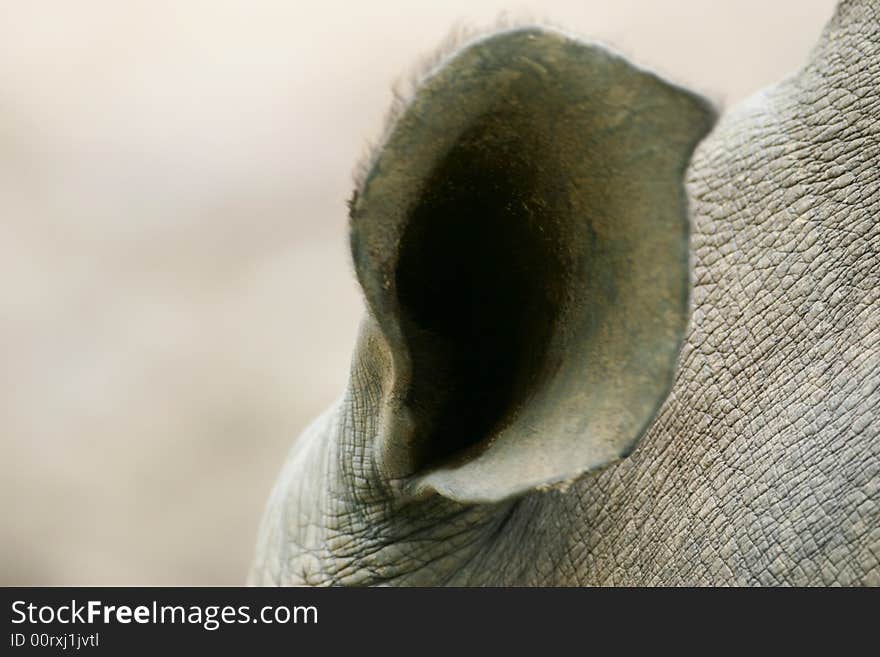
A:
x,y
763,465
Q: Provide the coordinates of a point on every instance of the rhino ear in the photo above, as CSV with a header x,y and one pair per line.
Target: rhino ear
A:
x,y
522,242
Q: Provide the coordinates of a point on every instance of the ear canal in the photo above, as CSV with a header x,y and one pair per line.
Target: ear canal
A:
x,y
522,242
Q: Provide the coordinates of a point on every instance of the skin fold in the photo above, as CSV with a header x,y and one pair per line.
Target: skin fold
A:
x,y
762,466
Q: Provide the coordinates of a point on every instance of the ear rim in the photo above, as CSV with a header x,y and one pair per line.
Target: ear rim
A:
x,y
375,271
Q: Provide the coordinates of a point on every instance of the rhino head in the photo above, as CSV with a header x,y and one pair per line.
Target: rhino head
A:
x,y
521,237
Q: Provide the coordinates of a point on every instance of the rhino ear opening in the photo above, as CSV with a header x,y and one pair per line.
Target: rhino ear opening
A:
x,y
522,242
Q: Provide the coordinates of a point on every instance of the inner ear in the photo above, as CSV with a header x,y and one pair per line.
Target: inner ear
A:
x,y
480,283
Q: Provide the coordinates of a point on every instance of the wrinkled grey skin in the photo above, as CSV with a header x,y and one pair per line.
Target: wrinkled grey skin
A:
x,y
763,465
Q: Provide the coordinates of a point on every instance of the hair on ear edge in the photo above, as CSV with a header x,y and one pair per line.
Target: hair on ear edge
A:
x,y
404,89
460,36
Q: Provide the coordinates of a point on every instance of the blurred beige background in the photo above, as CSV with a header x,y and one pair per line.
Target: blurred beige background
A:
x,y
175,295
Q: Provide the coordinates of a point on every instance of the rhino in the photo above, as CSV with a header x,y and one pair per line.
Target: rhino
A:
x,y
609,337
